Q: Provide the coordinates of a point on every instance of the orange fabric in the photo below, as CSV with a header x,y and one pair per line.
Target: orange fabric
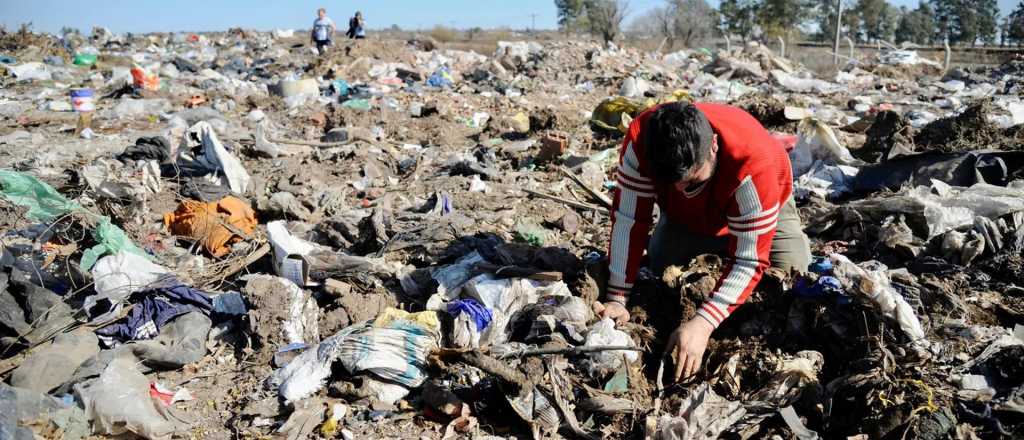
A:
x,y
205,222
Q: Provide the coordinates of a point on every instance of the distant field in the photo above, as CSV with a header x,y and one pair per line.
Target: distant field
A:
x,y
815,56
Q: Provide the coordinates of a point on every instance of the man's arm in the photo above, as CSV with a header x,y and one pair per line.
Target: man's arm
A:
x,y
631,223
753,215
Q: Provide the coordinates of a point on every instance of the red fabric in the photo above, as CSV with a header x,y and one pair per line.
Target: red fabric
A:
x,y
752,179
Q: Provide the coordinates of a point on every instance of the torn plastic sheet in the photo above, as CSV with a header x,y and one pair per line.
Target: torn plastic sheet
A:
x,y
702,415
826,181
817,142
934,210
119,402
796,84
215,157
45,204
604,333
956,169
871,280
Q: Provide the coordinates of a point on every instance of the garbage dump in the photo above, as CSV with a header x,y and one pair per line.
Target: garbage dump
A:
x,y
226,235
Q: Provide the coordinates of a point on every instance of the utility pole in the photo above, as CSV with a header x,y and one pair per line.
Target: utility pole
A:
x,y
533,22
839,24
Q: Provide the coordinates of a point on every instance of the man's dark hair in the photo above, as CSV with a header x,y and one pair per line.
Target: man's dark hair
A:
x,y
677,138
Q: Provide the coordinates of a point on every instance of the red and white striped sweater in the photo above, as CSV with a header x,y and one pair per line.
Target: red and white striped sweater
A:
x,y
752,179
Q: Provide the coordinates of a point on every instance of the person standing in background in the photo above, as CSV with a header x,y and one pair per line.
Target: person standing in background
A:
x,y
356,27
323,31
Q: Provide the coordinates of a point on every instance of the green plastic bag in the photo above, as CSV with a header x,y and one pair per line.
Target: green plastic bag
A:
x,y
85,59
357,104
45,204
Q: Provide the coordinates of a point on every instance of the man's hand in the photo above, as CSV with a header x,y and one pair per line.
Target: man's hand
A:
x,y
612,310
689,342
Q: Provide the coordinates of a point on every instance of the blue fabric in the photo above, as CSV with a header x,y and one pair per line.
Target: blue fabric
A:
x,y
477,312
820,265
158,307
823,287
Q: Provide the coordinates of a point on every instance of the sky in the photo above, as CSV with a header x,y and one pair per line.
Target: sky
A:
x,y
215,15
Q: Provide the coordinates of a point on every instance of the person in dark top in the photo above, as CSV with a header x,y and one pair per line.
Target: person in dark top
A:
x,y
356,27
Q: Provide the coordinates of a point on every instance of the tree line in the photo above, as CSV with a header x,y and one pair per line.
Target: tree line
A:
x,y
694,22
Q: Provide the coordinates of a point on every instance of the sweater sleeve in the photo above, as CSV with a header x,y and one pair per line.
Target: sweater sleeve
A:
x,y
632,213
753,215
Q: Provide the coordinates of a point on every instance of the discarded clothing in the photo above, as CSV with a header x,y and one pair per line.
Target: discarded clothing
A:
x,y
147,148
213,224
480,315
396,352
156,309
201,189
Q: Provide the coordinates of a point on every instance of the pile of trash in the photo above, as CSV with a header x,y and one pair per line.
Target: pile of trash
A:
x,y
228,235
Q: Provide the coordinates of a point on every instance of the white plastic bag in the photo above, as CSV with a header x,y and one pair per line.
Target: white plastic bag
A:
x,y
817,142
117,276
604,333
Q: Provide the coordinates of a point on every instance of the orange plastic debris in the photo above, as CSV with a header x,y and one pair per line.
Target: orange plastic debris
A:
x,y
145,80
217,225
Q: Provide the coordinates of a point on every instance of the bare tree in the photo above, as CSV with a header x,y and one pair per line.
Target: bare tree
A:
x,y
657,22
690,22
695,21
604,17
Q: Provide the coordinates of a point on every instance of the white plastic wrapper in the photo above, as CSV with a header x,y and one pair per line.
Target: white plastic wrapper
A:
x,y
604,333
875,285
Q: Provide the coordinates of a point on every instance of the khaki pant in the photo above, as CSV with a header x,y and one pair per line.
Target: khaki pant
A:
x,y
673,244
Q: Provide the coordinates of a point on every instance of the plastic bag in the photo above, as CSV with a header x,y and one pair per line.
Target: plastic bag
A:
x,y
817,142
604,333
143,79
870,279
471,318
46,204
118,402
43,202
265,146
504,298
117,276
217,158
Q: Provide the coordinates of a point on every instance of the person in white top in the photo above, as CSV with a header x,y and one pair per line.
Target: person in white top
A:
x,y
323,30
